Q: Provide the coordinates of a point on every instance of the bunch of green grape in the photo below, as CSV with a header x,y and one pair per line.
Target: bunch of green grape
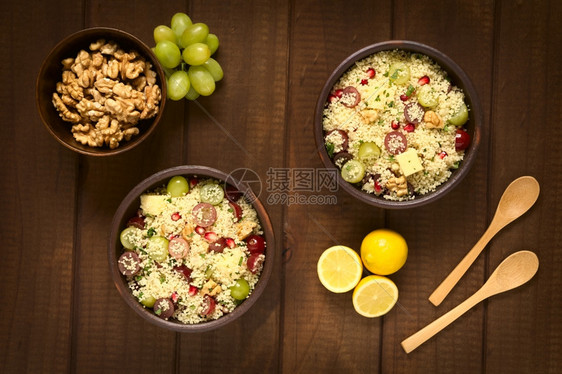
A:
x,y
185,51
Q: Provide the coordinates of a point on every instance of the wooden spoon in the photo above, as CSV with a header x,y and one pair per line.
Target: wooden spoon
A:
x,y
514,271
517,198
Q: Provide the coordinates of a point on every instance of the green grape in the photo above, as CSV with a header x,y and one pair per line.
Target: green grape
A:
x,y
196,33
213,42
157,248
164,33
212,193
399,73
168,54
369,151
177,186
192,94
240,290
180,21
353,171
178,85
214,68
125,237
201,80
427,96
460,117
148,300
196,53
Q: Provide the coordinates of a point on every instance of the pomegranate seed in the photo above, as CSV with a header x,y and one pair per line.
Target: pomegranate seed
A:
x,y
338,93
410,127
193,290
332,99
364,82
423,80
174,297
442,155
172,236
211,236
175,216
378,187
371,73
200,230
395,125
230,243
403,97
193,182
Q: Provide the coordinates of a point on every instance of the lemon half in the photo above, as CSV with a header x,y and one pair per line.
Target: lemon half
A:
x,y
339,269
374,296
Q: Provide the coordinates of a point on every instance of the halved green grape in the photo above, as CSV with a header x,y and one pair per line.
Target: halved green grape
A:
x,y
168,54
240,289
147,300
177,186
196,53
157,248
427,96
399,73
369,151
460,117
125,237
214,68
212,193
192,94
180,21
353,171
201,80
213,42
163,32
178,85
196,33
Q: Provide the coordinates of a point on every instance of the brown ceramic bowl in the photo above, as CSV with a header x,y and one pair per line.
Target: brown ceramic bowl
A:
x,y
51,73
128,209
473,126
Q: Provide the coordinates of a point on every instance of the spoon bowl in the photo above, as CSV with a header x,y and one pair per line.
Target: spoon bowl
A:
x,y
514,271
518,197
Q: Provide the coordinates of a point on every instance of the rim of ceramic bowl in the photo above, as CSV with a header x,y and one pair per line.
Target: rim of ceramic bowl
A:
x,y
69,47
459,78
130,204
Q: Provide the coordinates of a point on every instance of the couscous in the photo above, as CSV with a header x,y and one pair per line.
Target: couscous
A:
x,y
393,124
194,251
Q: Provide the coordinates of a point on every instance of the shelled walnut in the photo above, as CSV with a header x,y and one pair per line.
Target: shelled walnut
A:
x,y
104,93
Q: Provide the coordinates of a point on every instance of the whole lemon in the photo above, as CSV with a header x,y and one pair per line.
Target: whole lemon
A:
x,y
384,251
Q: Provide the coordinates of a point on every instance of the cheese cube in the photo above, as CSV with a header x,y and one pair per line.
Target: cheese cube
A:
x,y
153,205
409,162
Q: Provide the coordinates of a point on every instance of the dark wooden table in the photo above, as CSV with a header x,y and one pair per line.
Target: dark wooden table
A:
x,y
60,311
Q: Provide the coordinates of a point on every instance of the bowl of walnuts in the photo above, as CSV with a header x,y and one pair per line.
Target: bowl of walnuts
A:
x,y
100,91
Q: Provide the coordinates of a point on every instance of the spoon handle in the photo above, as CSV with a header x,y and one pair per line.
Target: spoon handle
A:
x,y
453,278
420,337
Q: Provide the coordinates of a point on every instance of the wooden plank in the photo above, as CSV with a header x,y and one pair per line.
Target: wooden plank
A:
x,y
242,125
38,198
108,335
441,233
524,328
322,332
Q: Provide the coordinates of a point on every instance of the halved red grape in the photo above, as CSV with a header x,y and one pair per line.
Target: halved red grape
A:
x,y
350,97
218,246
254,263
341,158
185,271
163,308
208,306
255,243
395,142
414,113
236,210
462,140
231,193
129,263
178,248
204,214
136,221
